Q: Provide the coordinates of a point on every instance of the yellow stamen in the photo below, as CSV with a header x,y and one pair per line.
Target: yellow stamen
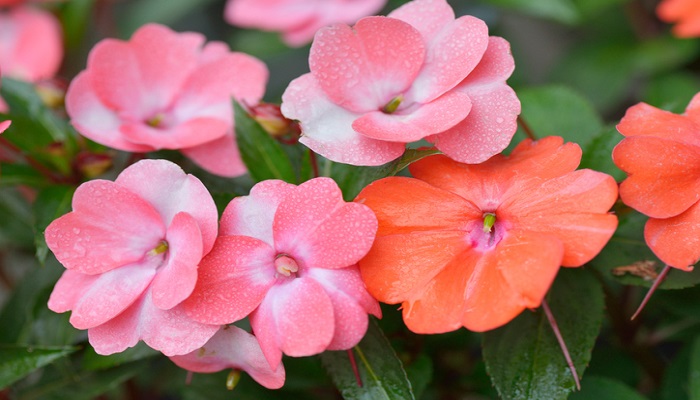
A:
x,y
156,120
489,221
232,380
393,105
160,249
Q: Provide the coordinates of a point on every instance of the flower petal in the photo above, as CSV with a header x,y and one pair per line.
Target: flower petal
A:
x,y
676,240
645,120
220,157
429,17
110,58
186,134
495,66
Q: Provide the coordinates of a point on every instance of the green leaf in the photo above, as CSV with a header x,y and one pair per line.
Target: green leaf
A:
x,y
262,154
74,17
20,174
599,388
563,11
672,92
50,204
420,373
93,361
559,111
18,361
166,12
675,385
524,359
694,372
597,154
382,373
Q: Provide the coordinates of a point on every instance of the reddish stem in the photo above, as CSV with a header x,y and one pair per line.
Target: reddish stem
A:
x,y
353,364
526,128
47,173
562,344
652,289
314,164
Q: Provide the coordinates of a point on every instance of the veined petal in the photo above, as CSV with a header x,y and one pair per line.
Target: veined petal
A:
x,y
676,240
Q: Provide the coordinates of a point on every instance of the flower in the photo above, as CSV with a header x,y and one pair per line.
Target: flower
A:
x,y
685,13
297,20
661,155
474,245
232,347
415,74
131,249
165,90
31,47
288,254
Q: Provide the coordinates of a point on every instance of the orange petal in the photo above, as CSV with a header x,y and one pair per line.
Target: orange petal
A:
x,y
676,240
398,265
663,175
404,205
645,120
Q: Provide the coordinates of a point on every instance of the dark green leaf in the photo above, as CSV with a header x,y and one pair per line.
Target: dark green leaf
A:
x,y
16,230
75,16
675,385
563,11
524,358
599,388
94,361
382,373
597,155
262,154
139,13
18,361
694,372
20,174
50,204
672,92
420,373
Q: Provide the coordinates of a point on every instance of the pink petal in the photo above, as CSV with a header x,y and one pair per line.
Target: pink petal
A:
x,y
109,227
69,289
645,120
166,186
272,15
95,120
429,17
693,109
314,225
232,347
363,68
233,279
488,128
169,331
495,66
253,215
4,125
176,279
220,156
676,240
351,303
108,295
296,317
327,128
110,58
189,133
410,125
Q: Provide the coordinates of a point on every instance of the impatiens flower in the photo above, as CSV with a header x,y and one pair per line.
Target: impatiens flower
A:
x,y
131,249
297,20
417,74
685,13
474,245
166,90
661,155
288,254
31,44
234,348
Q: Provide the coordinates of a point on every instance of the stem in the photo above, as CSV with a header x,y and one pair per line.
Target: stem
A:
x,y
562,344
47,173
526,128
652,289
314,163
353,364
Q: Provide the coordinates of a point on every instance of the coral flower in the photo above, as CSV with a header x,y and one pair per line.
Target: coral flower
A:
x,y
165,90
474,245
297,20
234,348
288,254
31,44
661,155
131,249
686,15
418,73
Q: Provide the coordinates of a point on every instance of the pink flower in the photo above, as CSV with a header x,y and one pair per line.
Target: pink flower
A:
x,y
416,74
131,249
297,20
166,90
232,347
288,254
31,44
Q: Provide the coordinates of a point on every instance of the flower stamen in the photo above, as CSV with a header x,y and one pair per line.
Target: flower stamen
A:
x,y
160,249
393,105
285,265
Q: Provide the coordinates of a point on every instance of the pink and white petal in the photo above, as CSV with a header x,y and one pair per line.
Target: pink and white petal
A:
x,y
327,128
213,51
349,11
488,128
186,134
4,125
349,281
253,215
69,289
304,32
165,61
95,120
316,226
363,68
298,316
428,16
232,347
38,51
676,240
272,15
496,65
411,125
219,156
232,280
109,227
110,58
111,293
176,279
166,186
451,56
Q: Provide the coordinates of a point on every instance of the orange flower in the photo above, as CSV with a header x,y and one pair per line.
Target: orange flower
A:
x,y
661,155
686,13
474,245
